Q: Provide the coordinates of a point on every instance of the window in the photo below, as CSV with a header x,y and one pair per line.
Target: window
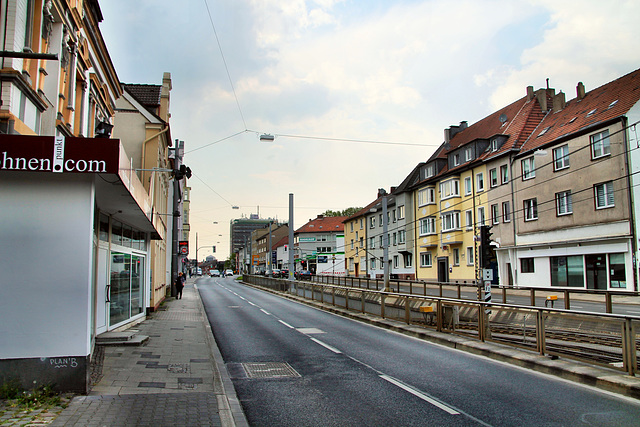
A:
x,y
363,264
381,241
530,209
617,275
427,226
426,196
393,215
361,224
372,243
561,157
506,212
380,223
428,171
600,145
469,218
401,236
456,159
481,217
351,225
373,263
493,178
495,215
494,144
362,242
527,265
480,181
528,168
395,239
401,212
408,260
425,259
350,264
467,186
351,244
450,188
504,174
563,203
604,195
468,154
450,221
372,222
567,271
470,255
395,261
456,256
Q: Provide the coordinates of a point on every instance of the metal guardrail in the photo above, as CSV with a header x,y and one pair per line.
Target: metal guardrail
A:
x,y
439,289
601,338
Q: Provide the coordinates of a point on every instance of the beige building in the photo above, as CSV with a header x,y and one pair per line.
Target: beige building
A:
x,y
142,125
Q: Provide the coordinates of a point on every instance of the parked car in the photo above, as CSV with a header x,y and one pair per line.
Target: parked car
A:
x,y
303,274
214,273
275,272
228,273
284,274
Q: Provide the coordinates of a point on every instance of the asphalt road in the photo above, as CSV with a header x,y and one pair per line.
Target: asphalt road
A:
x,y
293,365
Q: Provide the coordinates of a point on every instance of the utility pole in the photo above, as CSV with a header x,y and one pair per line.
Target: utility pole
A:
x,y
269,267
177,162
385,239
291,266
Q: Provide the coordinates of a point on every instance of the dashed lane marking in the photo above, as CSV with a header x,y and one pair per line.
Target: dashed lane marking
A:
x,y
327,346
420,394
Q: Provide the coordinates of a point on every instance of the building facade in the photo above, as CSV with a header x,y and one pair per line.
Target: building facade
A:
x,y
319,245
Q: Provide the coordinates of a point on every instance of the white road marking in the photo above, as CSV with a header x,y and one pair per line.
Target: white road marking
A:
x,y
252,303
286,324
420,394
265,311
327,346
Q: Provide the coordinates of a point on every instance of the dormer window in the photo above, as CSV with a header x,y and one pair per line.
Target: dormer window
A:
x,y
456,159
468,154
494,144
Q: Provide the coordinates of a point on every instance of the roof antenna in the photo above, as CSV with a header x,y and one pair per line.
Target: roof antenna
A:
x,y
547,83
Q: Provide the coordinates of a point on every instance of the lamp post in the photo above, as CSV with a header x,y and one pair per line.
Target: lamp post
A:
x,y
385,239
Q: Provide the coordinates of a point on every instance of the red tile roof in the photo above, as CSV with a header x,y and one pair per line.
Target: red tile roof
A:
x,y
323,224
598,106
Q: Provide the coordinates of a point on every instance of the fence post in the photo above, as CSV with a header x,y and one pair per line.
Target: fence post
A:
x,y
346,298
407,310
567,303
607,302
533,297
362,301
481,322
504,295
540,333
629,358
333,296
382,305
439,316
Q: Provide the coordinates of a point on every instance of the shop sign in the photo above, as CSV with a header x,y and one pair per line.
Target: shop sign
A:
x,y
306,239
59,154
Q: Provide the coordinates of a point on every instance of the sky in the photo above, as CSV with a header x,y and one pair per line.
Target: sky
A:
x,y
355,92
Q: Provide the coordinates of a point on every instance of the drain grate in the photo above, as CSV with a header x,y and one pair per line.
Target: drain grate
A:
x,y
270,370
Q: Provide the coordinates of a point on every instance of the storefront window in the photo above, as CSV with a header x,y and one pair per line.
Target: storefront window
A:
x,y
617,274
127,235
116,231
567,271
104,227
127,283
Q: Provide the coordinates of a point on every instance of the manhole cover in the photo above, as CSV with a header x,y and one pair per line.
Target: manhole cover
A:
x,y
270,370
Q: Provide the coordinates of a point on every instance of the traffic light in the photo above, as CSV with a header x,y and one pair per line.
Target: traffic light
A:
x,y
178,174
486,250
214,249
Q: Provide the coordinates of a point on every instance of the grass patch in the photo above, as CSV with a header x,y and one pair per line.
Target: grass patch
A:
x,y
15,395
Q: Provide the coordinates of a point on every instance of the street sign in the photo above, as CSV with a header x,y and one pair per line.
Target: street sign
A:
x,y
487,274
183,247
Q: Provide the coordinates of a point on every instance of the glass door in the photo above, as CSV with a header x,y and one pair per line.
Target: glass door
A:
x,y
596,266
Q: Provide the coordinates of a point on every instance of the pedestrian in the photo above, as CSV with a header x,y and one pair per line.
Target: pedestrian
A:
x,y
179,285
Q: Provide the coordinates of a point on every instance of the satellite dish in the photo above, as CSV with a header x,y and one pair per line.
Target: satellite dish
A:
x,y
503,118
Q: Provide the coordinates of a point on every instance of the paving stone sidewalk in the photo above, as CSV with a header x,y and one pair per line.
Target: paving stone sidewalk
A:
x,y
172,380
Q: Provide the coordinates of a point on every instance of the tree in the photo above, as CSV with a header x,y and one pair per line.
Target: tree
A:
x,y
345,212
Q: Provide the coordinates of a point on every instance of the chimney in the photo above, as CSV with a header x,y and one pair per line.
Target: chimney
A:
x,y
393,189
558,102
580,91
320,216
381,192
447,136
463,125
529,93
164,97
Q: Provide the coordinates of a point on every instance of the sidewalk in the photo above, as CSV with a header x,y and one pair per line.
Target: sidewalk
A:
x,y
176,378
